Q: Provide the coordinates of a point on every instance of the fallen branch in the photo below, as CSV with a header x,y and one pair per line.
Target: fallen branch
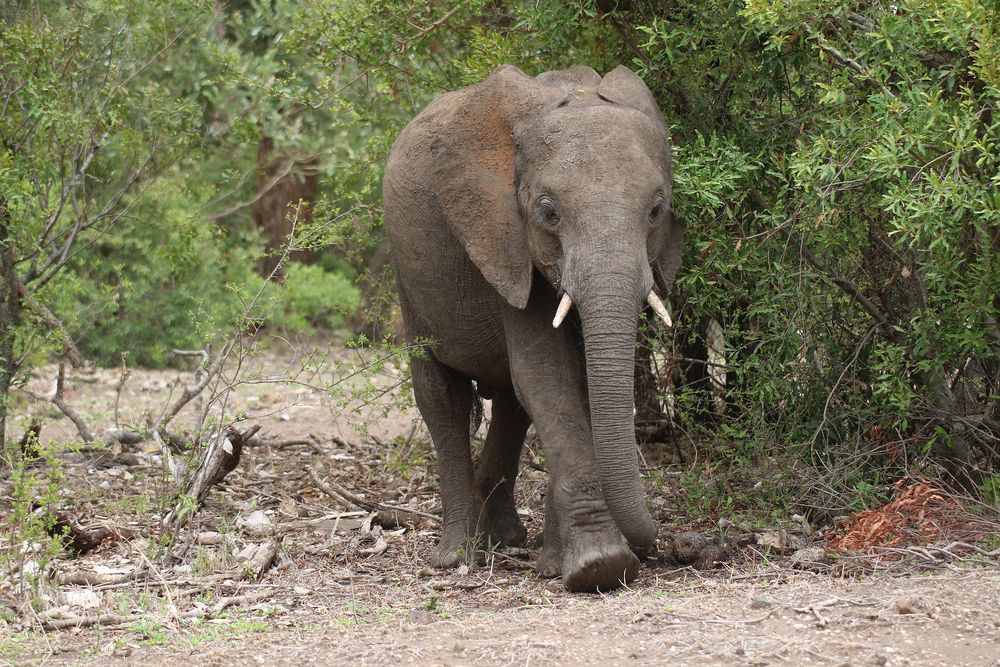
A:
x,y
387,516
219,459
109,438
79,540
106,620
85,622
226,602
276,443
261,560
91,578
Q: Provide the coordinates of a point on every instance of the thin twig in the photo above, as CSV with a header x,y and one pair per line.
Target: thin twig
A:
x,y
335,490
191,392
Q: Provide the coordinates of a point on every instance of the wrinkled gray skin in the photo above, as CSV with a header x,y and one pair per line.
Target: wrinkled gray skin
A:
x,y
499,198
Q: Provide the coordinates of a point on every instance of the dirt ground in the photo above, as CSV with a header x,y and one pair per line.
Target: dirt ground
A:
x,y
340,589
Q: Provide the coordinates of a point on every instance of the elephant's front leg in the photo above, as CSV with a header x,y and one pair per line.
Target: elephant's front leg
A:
x,y
444,399
581,539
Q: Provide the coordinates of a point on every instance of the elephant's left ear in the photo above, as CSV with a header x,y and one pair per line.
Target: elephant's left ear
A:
x,y
622,86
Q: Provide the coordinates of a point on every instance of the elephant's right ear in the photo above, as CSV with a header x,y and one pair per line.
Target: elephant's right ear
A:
x,y
474,175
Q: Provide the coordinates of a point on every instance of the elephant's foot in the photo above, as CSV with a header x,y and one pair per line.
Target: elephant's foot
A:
x,y
600,566
549,564
590,565
501,522
592,561
459,545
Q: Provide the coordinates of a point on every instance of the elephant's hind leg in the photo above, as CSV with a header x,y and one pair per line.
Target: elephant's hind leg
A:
x,y
498,469
444,399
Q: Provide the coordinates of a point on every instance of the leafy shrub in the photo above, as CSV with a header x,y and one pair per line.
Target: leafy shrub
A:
x,y
151,288
837,175
314,297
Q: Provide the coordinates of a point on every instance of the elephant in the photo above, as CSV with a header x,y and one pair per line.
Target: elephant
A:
x,y
530,224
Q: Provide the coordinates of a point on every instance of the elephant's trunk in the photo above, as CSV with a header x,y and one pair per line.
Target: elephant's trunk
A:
x,y
609,312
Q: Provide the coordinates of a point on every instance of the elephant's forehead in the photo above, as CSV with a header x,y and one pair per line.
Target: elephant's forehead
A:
x,y
603,133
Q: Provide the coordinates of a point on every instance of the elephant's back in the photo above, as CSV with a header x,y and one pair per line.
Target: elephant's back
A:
x,y
411,152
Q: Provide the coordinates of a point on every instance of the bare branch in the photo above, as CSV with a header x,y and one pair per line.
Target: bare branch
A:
x,y
191,392
387,514
52,322
81,424
847,61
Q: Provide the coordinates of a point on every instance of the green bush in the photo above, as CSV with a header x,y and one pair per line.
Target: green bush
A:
x,y
837,175
314,297
151,288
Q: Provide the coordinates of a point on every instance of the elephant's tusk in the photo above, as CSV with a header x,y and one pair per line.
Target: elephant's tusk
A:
x,y
562,310
659,308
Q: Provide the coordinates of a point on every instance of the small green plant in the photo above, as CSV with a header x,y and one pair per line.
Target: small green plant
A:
x,y
991,490
407,456
29,520
151,632
238,627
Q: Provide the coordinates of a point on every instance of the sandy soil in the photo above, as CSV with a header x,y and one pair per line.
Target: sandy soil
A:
x,y
343,592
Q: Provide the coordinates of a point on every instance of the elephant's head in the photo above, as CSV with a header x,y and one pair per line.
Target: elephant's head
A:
x,y
569,174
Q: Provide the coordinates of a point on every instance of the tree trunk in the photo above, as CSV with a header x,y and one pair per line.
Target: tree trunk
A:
x,y
282,183
10,314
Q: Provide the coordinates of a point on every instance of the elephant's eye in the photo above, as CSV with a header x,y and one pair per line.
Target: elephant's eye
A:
x,y
654,213
546,210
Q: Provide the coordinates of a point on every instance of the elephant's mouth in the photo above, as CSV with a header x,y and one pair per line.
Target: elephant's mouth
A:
x,y
566,303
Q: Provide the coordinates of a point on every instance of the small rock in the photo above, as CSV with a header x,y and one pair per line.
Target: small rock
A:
x,y
261,559
246,553
803,523
301,590
809,558
130,459
258,522
906,605
462,570
85,598
421,617
760,602
779,541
